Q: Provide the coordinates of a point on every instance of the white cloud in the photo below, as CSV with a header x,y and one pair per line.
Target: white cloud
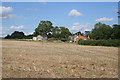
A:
x,y
104,19
19,27
81,27
5,12
74,13
31,32
7,30
5,9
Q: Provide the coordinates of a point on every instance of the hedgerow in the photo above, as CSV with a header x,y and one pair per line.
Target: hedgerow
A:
x,y
115,43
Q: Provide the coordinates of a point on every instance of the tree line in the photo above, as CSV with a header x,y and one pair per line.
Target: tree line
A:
x,y
45,28
105,32
18,35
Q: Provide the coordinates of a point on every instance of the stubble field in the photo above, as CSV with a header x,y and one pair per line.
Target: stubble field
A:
x,y
24,59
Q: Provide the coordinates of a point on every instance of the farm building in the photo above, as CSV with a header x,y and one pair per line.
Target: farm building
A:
x,y
51,39
39,37
81,37
34,38
76,38
72,38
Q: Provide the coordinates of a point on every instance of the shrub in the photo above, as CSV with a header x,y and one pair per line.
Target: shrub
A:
x,y
115,43
63,39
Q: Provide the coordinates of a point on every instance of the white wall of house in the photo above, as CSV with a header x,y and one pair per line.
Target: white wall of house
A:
x,y
75,38
35,38
40,38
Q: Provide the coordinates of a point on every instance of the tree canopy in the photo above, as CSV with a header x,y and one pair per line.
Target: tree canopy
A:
x,y
115,32
79,33
101,31
44,28
17,35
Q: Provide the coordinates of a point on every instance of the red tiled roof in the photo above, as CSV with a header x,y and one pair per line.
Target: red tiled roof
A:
x,y
51,39
81,37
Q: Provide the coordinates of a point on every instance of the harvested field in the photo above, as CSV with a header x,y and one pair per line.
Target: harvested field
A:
x,y
24,59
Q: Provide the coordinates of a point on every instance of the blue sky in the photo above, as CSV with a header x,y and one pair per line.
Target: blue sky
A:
x,y
59,0
77,16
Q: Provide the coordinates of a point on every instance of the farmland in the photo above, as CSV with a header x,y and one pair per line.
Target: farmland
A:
x,y
34,59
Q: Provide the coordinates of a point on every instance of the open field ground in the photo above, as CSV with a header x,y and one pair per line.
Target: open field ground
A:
x,y
23,59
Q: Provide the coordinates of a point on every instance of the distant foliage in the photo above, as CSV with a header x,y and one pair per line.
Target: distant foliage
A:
x,y
101,34
103,31
29,36
115,43
79,33
115,32
16,35
8,37
46,29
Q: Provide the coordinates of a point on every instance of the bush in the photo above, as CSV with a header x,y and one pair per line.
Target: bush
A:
x,y
115,43
63,39
17,35
8,37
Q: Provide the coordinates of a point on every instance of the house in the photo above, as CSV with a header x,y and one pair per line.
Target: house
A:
x,y
51,39
81,37
76,38
72,38
39,37
34,38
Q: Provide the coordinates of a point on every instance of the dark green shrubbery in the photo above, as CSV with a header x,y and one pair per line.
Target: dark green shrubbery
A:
x,y
16,35
63,39
115,43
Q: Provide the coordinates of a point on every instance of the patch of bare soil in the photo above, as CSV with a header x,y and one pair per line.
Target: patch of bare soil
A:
x,y
23,59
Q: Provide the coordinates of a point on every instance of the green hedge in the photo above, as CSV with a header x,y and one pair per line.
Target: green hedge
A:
x,y
115,43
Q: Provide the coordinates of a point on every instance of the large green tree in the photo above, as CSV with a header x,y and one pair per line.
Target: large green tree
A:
x,y
61,33
101,31
65,33
17,35
87,33
115,32
44,28
79,33
8,37
56,32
